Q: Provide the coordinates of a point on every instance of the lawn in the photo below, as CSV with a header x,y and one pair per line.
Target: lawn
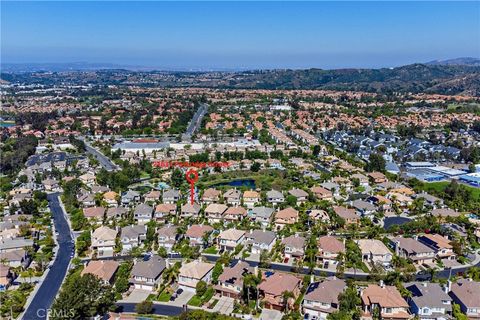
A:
x,y
197,301
211,250
440,187
164,296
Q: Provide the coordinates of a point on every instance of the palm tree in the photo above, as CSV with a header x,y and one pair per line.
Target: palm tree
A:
x,y
285,296
171,274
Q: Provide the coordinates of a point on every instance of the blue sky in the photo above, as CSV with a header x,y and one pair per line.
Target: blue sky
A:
x,y
239,34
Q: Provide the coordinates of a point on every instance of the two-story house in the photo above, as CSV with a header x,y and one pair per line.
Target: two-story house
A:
x,y
230,282
429,301
321,298
260,240
229,239
193,272
387,300
146,275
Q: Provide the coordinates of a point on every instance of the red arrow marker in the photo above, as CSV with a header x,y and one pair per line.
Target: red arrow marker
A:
x,y
192,177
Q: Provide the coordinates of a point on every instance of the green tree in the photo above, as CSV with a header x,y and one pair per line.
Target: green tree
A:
x,y
82,297
376,162
144,307
201,288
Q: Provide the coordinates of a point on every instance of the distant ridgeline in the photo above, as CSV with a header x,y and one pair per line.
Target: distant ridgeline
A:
x,y
433,77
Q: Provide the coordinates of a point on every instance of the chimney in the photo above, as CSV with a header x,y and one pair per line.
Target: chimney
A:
x,y
448,287
382,284
312,278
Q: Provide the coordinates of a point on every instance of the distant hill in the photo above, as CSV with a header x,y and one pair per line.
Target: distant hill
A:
x,y
468,61
430,78
455,76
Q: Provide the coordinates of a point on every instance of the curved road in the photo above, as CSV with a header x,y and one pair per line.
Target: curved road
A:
x,y
51,284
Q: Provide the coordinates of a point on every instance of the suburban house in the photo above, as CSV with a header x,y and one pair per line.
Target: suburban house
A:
x,y
94,213
130,198
167,237
233,197
377,177
51,185
329,248
466,293
375,251
190,210
321,193
146,275
363,208
414,250
275,197
211,196
171,196
103,241
387,299
6,277
102,269
116,212
251,198
300,195
234,214
230,282
111,198
86,199
263,215
164,210
260,240
214,212
87,179
321,298
284,217
196,233
273,287
193,272
441,245
143,213
429,300
152,196
294,246
229,239
132,237
346,214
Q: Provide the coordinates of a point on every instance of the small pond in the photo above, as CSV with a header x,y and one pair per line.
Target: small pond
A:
x,y
249,183
391,221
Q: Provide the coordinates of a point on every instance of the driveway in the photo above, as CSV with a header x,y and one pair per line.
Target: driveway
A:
x,y
268,314
137,296
182,299
224,306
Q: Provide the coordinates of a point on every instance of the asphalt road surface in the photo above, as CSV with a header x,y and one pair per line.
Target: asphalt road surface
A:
x,y
158,309
104,161
49,287
196,121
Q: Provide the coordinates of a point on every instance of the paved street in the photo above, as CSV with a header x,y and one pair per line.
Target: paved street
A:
x,y
49,288
195,122
158,309
105,162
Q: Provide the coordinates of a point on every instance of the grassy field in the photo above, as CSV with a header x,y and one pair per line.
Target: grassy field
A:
x,y
440,187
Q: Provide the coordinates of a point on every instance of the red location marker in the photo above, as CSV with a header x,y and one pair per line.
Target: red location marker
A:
x,y
192,177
